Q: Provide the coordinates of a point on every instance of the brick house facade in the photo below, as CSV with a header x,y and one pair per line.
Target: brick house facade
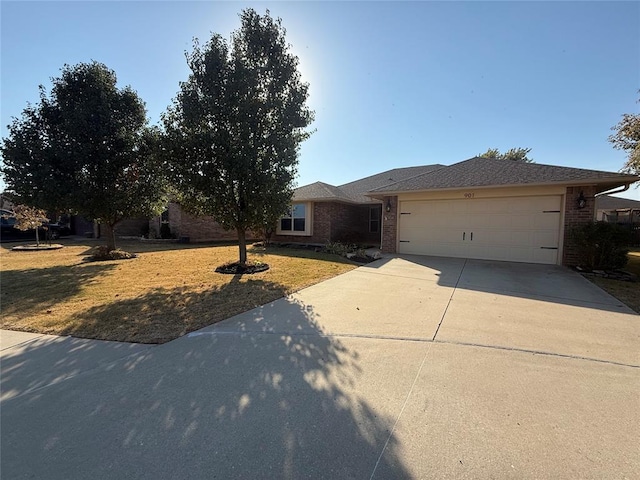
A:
x,y
356,212
184,225
337,222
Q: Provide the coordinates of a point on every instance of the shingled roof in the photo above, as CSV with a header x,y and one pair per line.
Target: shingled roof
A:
x,y
319,191
607,202
353,192
488,172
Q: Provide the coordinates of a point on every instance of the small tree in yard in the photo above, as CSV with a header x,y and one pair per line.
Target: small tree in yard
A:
x,y
233,132
28,218
86,148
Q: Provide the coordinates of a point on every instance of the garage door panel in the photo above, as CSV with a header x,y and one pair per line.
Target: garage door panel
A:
x,y
524,229
546,239
548,221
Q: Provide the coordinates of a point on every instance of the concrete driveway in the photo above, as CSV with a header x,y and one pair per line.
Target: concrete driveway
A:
x,y
412,367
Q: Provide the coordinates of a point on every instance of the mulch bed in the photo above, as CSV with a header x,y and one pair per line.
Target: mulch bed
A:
x,y
613,274
37,248
239,269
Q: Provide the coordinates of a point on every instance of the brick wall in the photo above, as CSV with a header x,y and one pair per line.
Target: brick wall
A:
x,y
197,228
573,216
131,227
350,224
336,222
320,231
389,225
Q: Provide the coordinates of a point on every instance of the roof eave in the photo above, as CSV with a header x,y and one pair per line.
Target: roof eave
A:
x,y
613,182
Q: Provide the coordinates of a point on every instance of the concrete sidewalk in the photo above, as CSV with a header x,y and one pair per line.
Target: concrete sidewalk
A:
x,y
31,361
533,373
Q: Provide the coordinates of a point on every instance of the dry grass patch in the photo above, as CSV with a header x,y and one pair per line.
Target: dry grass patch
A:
x,y
626,292
169,290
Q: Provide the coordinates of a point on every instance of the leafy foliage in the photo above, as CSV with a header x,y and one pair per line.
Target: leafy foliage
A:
x,y
601,245
514,154
29,218
102,253
86,147
627,138
234,130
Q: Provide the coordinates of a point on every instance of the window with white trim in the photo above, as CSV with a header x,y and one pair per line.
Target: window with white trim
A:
x,y
297,221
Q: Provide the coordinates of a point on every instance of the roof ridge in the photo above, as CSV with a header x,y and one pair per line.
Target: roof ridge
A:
x,y
389,171
415,176
535,164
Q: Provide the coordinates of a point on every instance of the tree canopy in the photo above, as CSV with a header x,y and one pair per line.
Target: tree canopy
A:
x,y
515,154
29,218
234,130
627,138
86,147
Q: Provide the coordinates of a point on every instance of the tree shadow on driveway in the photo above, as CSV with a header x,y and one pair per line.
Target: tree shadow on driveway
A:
x,y
227,405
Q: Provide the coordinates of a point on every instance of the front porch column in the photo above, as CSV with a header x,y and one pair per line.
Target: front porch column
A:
x,y
389,224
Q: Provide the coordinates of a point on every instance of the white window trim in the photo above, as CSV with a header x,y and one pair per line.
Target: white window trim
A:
x,y
308,222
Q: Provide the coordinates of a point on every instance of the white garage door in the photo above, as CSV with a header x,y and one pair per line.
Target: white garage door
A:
x,y
517,229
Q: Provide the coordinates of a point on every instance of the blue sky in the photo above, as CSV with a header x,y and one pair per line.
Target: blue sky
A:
x,y
393,84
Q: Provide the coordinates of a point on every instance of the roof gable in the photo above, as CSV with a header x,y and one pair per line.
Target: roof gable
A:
x,y
319,191
354,191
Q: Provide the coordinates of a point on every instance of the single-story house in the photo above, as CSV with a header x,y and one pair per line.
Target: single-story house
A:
x,y
479,208
617,210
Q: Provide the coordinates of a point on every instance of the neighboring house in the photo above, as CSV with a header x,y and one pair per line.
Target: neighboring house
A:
x,y
6,203
617,210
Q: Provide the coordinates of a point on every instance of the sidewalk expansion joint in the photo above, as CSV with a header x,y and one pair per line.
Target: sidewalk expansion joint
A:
x,y
450,298
538,352
417,340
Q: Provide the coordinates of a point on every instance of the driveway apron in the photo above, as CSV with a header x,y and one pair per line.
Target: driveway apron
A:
x,y
409,367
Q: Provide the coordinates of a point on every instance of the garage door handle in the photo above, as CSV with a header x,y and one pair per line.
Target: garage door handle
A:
x,y
472,236
549,248
463,234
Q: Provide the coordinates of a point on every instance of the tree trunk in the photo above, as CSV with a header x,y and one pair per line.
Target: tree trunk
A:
x,y
110,236
242,245
37,238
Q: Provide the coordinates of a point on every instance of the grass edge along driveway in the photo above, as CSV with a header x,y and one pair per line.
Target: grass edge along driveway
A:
x,y
626,292
168,291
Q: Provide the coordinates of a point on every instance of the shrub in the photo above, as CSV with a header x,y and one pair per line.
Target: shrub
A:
x,y
338,248
601,245
103,253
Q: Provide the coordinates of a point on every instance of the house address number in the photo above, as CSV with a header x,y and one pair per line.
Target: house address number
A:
x,y
469,195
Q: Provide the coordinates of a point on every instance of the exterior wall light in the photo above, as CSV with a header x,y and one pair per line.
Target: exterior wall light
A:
x,y
582,202
388,206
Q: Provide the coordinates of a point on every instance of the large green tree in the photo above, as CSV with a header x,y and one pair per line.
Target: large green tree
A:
x,y
514,154
627,138
234,130
86,147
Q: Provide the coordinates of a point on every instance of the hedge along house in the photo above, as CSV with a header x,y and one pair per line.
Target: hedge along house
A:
x,y
493,209
322,213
